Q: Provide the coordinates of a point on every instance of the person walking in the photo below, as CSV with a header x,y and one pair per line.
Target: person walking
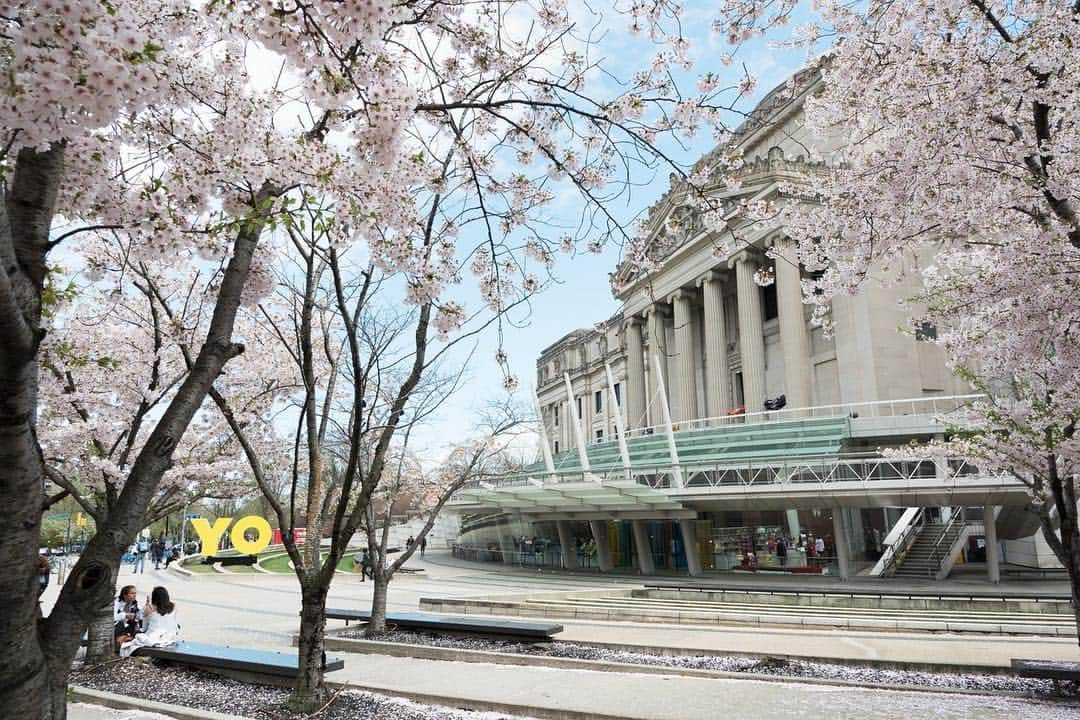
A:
x,y
423,545
157,549
360,560
44,568
141,548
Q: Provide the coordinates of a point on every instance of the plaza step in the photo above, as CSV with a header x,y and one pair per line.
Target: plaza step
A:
x,y
635,606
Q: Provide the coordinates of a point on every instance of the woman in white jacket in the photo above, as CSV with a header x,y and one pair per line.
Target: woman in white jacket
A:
x,y
160,626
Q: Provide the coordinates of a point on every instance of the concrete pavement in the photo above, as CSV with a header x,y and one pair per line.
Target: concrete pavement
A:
x,y
549,692
261,611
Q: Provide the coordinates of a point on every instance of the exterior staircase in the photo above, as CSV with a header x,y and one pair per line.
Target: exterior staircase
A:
x,y
929,551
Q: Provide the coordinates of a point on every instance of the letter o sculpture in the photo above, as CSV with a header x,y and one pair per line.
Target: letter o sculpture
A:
x,y
251,547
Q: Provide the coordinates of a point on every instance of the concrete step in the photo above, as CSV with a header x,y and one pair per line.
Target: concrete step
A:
x,y
974,616
618,609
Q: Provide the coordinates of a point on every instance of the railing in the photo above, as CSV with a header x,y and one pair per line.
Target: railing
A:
x,y
876,408
810,469
936,550
549,557
897,550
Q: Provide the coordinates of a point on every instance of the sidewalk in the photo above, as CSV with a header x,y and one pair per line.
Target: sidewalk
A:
x,y
550,692
917,648
83,711
262,613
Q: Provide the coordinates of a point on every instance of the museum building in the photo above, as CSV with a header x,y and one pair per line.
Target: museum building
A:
x,y
711,426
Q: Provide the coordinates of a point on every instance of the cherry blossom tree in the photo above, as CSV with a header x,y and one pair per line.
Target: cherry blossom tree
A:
x,y
140,119
85,82
111,361
955,125
157,120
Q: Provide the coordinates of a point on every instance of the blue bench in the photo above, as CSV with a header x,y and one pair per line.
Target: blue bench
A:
x,y
523,629
223,657
1054,670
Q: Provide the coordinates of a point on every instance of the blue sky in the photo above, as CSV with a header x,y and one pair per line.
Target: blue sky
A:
x,y
582,296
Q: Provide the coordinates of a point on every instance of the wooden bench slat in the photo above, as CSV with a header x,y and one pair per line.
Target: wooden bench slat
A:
x,y
452,623
224,657
1050,669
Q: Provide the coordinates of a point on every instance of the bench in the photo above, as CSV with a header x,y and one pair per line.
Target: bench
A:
x,y
223,657
231,560
519,629
1056,670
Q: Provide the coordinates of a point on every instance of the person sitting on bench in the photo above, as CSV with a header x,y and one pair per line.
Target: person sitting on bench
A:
x,y
160,626
127,615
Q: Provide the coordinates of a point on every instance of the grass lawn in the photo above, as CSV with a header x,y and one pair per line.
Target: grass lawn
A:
x,y
196,567
240,569
276,563
346,564
280,563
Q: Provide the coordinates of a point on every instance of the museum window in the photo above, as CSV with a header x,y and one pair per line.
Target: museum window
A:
x,y
556,447
555,413
578,399
768,302
598,398
618,396
599,436
815,276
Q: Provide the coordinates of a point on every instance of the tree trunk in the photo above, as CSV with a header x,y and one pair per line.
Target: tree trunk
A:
x,y
23,682
100,645
26,210
310,692
377,625
100,637
1070,529
37,654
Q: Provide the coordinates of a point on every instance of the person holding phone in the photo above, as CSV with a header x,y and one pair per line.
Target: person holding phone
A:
x,y
160,626
127,615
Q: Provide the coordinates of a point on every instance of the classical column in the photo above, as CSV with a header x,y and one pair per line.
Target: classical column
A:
x,y
566,544
634,390
840,541
603,547
644,549
684,391
793,523
993,552
689,538
717,382
657,347
794,338
751,334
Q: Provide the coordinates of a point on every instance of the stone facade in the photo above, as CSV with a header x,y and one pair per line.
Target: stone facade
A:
x,y
720,340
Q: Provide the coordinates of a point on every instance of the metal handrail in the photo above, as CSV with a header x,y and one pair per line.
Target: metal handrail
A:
x,y
903,543
944,533
862,467
869,408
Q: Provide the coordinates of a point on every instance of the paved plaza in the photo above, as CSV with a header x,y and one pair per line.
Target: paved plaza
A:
x,y
261,611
